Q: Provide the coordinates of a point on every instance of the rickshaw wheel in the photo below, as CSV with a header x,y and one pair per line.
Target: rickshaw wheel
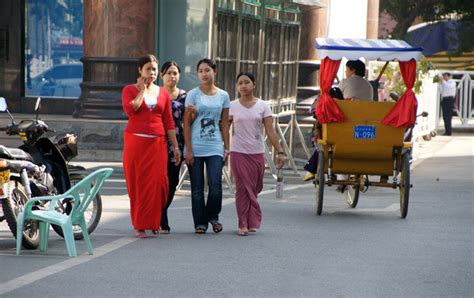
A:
x,y
352,194
320,180
405,185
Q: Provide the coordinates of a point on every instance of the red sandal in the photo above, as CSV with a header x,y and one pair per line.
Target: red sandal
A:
x,y
141,234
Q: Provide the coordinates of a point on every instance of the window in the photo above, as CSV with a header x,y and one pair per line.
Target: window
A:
x,y
53,48
275,55
184,36
226,52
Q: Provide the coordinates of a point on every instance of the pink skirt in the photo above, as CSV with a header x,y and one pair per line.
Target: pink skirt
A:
x,y
248,171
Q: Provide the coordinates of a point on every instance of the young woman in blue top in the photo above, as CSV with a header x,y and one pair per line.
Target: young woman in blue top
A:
x,y
206,139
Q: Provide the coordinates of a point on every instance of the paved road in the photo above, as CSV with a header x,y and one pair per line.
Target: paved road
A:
x,y
367,251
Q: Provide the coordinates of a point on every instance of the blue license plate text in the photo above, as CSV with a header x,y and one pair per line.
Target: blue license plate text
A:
x,y
364,132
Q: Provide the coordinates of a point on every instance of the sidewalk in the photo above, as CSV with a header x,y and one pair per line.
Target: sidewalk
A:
x,y
422,150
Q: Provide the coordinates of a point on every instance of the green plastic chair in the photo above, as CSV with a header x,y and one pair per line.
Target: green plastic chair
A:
x,y
82,195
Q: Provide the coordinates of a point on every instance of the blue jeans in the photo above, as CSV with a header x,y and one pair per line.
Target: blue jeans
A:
x,y
206,212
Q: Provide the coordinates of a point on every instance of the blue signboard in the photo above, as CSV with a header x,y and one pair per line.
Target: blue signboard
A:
x,y
364,132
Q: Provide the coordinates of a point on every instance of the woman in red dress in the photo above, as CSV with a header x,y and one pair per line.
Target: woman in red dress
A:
x,y
145,153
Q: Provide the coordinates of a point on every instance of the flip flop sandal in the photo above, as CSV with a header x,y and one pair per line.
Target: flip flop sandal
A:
x,y
252,230
242,233
141,235
200,230
164,231
156,232
217,227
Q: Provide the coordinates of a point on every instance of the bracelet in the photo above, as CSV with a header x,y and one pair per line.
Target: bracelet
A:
x,y
176,148
281,152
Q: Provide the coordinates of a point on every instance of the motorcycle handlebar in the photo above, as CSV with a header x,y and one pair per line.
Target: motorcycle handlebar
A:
x,y
12,130
18,165
422,114
32,127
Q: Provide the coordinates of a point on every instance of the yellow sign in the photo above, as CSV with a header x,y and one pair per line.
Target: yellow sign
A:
x,y
23,136
4,176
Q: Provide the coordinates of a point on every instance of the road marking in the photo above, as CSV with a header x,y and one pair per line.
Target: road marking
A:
x,y
232,200
228,201
224,203
393,207
56,268
115,180
286,188
179,208
114,188
390,208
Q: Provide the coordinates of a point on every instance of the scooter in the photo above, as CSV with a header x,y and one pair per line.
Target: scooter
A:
x,y
54,155
16,179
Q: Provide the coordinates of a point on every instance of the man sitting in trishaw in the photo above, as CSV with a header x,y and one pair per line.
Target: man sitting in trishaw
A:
x,y
362,137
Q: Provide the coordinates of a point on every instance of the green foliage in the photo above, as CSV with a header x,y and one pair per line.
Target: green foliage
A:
x,y
395,81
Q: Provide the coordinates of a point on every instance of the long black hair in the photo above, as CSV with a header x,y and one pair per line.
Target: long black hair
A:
x,y
209,62
146,59
167,65
250,75
358,66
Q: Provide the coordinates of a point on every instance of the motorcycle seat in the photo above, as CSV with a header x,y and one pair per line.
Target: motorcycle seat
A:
x,y
14,153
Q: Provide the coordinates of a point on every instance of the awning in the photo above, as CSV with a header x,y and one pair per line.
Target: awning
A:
x,y
440,42
371,49
453,61
435,37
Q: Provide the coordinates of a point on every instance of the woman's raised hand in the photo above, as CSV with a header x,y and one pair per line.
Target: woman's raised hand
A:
x,y
141,83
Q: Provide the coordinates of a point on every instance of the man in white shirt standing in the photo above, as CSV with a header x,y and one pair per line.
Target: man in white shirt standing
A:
x,y
447,89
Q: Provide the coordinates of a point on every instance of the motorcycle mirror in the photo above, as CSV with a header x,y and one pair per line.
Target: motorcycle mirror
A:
x,y
3,104
424,114
37,106
4,108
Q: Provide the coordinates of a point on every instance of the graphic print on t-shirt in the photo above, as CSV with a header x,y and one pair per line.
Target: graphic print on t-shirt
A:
x,y
208,128
206,137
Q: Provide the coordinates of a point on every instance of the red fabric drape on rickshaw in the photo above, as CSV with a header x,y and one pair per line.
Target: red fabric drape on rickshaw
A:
x,y
404,111
327,110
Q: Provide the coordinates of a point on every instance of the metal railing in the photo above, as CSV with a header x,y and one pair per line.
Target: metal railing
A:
x,y
464,105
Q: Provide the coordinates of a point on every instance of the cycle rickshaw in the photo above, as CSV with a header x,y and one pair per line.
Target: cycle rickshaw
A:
x,y
365,138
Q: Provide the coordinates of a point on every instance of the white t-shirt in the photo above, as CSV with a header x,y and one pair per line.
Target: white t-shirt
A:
x,y
356,87
447,88
248,126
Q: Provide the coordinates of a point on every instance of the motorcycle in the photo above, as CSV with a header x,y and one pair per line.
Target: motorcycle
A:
x,y
16,178
51,157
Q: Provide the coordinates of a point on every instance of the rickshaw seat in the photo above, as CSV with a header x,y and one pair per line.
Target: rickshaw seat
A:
x,y
351,155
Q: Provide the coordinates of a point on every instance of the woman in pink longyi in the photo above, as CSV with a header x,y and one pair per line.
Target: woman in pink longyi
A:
x,y
250,115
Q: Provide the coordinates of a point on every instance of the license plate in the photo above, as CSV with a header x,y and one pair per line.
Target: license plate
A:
x,y
4,176
364,132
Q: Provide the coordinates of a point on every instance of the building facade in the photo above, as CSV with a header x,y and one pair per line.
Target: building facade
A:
x,y
77,55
